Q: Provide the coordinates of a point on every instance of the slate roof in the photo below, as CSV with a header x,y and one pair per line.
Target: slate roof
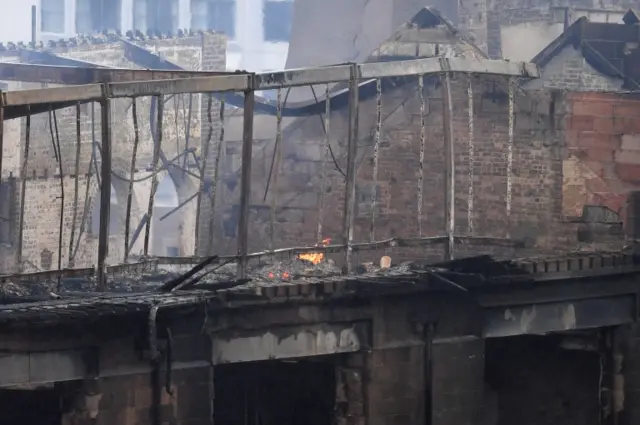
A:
x,y
610,48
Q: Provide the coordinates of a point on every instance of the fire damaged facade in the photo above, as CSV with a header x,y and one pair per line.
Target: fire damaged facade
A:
x,y
45,166
468,342
425,237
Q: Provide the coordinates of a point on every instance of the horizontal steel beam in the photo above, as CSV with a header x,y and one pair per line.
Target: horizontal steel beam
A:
x,y
302,77
73,75
238,82
495,67
219,83
437,65
53,95
320,75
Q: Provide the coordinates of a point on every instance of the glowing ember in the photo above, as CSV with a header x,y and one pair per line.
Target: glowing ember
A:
x,y
285,275
315,257
271,275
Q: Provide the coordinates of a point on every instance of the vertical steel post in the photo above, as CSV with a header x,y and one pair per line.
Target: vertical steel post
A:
x,y
449,167
423,134
323,180
245,182
76,186
132,173
23,187
105,191
154,181
214,183
376,151
352,151
276,170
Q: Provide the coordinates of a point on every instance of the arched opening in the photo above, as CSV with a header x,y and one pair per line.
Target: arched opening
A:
x,y
94,220
167,221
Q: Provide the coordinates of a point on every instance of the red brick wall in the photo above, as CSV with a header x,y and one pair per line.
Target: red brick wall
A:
x,y
603,151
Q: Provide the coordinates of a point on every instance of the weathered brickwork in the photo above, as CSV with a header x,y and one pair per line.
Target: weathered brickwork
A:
x,y
602,163
535,179
181,134
568,70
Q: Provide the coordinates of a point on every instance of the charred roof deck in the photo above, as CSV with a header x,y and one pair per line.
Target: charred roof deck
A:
x,y
576,276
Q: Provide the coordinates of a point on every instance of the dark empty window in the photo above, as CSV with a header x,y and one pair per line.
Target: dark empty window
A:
x,y
217,15
276,20
7,210
97,15
156,15
52,15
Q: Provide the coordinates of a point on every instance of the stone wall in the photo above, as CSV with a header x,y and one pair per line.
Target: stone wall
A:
x,y
181,132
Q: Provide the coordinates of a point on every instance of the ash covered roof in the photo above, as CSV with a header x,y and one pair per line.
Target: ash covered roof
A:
x,y
303,281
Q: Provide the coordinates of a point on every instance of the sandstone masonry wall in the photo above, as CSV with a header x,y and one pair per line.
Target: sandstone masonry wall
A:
x,y
42,200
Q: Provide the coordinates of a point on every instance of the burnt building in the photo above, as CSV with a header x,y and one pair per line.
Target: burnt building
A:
x,y
474,341
48,176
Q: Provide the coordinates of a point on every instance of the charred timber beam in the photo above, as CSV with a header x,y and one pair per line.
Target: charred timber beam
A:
x,y
137,232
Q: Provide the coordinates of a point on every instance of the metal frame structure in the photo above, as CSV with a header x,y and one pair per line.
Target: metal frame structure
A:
x,y
124,84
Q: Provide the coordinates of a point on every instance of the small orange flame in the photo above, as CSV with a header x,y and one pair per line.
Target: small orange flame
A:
x,y
312,257
315,257
285,275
